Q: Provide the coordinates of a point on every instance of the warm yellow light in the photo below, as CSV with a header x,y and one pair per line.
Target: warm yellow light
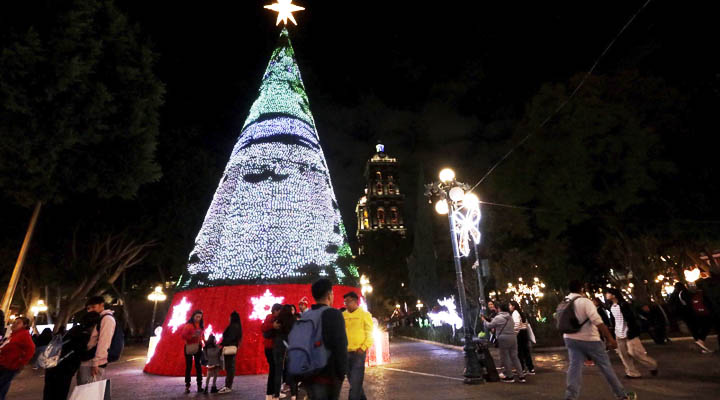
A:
x,y
692,275
447,175
441,207
284,8
157,294
397,305
38,307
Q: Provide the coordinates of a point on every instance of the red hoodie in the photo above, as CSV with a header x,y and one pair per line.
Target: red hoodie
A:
x,y
267,325
17,351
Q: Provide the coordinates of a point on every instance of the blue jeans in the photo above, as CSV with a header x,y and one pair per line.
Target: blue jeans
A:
x,y
356,374
578,352
6,378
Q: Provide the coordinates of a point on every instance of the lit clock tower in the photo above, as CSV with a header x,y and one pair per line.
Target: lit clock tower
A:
x,y
382,205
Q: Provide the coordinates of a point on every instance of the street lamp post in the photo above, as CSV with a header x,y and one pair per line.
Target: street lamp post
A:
x,y
155,296
450,194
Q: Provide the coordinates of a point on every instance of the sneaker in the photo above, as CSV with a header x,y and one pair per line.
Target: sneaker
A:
x,y
200,389
629,396
225,390
507,379
214,390
632,377
521,379
282,396
501,375
530,372
187,389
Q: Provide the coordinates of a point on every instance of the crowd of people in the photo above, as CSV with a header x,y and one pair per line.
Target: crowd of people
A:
x,y
345,335
84,351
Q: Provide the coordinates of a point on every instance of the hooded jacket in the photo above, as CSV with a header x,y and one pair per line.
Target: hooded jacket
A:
x,y
17,351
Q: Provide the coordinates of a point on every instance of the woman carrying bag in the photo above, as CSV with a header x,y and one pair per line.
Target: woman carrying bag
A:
x,y
192,334
230,342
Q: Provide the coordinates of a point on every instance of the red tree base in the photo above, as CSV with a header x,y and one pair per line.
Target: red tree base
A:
x,y
217,303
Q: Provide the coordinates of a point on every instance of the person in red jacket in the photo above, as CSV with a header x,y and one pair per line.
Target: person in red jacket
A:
x,y
269,328
192,333
15,352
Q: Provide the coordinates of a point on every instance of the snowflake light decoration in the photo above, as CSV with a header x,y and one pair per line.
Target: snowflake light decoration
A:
x,y
209,331
263,304
467,226
179,314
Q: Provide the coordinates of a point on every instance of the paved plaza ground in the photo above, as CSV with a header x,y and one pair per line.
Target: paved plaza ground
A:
x,y
426,371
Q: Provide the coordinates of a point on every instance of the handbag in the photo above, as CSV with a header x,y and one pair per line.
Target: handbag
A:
x,y
229,350
98,390
192,348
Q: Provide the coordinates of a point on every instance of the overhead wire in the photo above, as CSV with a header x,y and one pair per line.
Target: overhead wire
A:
x,y
567,100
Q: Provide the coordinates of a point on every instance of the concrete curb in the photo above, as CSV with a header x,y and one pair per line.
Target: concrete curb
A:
x,y
535,349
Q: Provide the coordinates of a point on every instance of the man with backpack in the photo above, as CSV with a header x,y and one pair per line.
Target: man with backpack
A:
x,y
318,344
98,346
581,325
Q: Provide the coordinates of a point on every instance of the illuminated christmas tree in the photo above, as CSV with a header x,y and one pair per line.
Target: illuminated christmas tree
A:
x,y
274,217
273,226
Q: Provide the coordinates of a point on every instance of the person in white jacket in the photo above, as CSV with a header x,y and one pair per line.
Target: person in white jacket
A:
x,y
524,338
94,369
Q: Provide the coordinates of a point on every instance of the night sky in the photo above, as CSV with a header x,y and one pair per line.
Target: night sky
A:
x,y
464,70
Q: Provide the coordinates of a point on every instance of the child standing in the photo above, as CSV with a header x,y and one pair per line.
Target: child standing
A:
x,y
213,355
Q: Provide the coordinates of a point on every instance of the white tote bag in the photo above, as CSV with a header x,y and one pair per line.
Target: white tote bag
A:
x,y
99,390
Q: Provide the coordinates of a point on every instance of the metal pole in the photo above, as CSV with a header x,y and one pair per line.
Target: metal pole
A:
x,y
473,371
481,284
152,324
7,299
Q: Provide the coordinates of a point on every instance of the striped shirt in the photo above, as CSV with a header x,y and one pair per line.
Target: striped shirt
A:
x,y
620,325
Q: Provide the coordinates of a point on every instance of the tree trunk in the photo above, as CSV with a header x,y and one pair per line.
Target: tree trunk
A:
x,y
126,311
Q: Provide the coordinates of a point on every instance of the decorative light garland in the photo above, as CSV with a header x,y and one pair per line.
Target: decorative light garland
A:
x,y
179,315
450,316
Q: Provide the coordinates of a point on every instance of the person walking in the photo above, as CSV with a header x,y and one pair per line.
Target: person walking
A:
x,y
214,358
59,378
269,329
192,334
627,332
652,318
524,339
232,336
585,343
682,301
99,343
15,352
327,383
507,344
359,332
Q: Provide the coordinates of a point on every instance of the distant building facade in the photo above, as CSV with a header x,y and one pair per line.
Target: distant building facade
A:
x,y
382,205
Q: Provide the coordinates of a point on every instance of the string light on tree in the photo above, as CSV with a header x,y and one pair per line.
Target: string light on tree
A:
x,y
284,8
274,215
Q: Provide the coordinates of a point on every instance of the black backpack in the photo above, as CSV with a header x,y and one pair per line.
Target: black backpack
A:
x,y
117,343
565,318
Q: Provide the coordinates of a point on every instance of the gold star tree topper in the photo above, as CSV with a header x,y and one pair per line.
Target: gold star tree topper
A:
x,y
284,8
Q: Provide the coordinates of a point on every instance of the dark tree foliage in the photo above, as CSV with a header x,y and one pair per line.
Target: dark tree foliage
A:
x,y
78,102
422,262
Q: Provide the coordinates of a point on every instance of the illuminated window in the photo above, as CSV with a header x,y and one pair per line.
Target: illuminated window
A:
x,y
381,216
394,215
